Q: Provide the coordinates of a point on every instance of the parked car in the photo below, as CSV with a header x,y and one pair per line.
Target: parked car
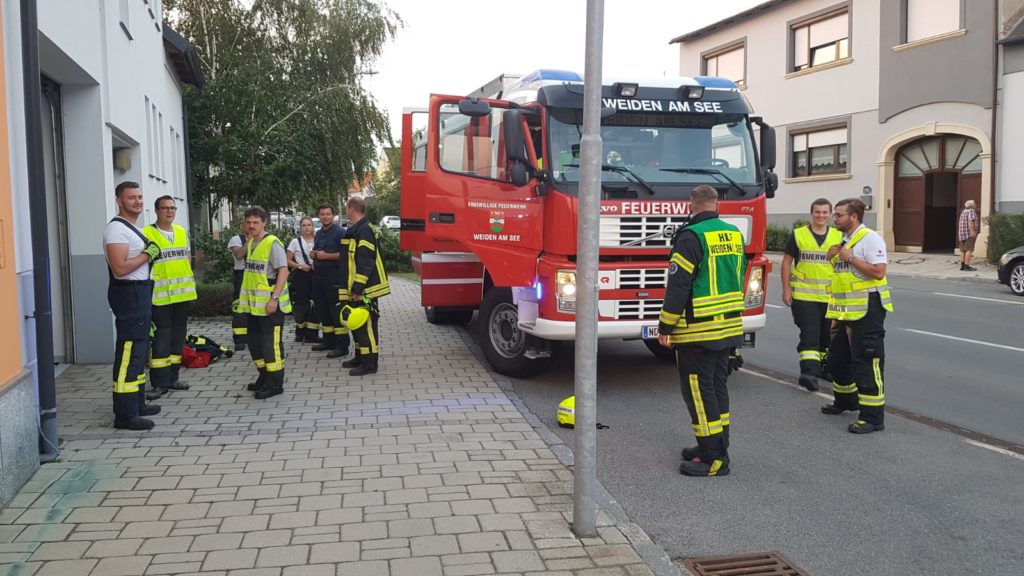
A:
x,y
1011,270
391,222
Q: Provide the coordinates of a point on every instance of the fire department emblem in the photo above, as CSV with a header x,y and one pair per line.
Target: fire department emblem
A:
x,y
497,221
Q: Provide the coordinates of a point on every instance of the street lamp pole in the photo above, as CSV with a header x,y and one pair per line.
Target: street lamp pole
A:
x,y
585,454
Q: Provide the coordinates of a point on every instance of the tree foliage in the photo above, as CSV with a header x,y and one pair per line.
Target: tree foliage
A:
x,y
283,119
387,190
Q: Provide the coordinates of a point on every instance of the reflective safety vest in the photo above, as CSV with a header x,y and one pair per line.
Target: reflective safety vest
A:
x,y
717,293
173,280
848,294
811,276
256,287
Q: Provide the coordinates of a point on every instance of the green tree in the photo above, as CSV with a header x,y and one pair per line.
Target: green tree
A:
x,y
387,189
283,119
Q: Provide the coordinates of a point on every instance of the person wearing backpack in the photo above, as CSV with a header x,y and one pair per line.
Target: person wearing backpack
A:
x,y
130,256
174,286
264,299
300,275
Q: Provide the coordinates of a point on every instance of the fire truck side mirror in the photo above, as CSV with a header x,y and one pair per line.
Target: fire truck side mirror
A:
x,y
474,108
771,184
518,174
768,148
515,145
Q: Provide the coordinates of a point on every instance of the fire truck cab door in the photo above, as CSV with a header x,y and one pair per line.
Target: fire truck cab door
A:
x,y
470,198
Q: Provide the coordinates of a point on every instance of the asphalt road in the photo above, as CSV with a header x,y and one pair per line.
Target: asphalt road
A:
x,y
914,499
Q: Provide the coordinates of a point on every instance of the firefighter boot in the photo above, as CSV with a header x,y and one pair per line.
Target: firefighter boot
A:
x,y
353,362
691,453
341,344
697,467
809,372
300,334
327,343
268,392
126,413
146,409
312,336
258,384
367,365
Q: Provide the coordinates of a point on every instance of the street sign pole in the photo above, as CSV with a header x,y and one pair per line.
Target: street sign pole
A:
x,y
585,456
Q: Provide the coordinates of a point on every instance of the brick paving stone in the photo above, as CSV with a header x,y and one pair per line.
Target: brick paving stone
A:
x,y
66,567
434,545
230,559
166,545
133,566
483,542
283,556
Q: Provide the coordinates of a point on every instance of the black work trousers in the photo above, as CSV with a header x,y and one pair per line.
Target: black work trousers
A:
x,y
702,375
132,304
809,317
171,323
301,293
367,336
239,320
857,362
325,299
266,348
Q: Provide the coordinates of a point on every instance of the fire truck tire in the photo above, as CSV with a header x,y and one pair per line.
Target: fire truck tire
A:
x,y
436,315
666,354
503,343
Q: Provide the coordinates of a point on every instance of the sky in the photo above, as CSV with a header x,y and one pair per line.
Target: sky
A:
x,y
454,47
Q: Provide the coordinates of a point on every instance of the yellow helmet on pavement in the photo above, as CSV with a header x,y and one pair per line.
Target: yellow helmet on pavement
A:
x,y
567,412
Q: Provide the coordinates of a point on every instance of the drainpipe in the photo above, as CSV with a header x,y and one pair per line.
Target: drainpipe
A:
x,y
43,313
995,105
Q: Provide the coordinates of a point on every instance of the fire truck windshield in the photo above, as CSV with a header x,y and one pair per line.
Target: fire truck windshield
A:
x,y
659,149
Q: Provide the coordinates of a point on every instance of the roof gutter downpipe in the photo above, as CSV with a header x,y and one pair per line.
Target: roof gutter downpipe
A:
x,y
43,313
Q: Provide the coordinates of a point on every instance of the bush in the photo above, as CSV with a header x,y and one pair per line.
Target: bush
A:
x,y
395,260
777,236
1006,231
214,300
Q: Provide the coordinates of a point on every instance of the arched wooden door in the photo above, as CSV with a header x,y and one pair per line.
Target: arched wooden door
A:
x,y
934,177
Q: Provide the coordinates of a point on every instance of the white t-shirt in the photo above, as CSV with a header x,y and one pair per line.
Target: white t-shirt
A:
x,y
293,247
870,249
117,233
236,242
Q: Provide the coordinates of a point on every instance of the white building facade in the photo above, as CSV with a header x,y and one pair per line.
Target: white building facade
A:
x,y
896,102
112,78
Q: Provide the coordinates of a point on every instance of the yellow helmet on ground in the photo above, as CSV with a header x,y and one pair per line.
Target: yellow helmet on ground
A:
x,y
567,412
354,317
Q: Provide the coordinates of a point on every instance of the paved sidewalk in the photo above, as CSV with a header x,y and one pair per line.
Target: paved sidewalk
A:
x,y
931,265
426,468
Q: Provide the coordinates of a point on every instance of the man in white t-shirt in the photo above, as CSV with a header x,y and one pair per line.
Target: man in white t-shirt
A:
x,y
859,299
130,293
239,329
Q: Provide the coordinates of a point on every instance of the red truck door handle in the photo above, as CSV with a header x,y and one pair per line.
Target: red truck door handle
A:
x,y
442,218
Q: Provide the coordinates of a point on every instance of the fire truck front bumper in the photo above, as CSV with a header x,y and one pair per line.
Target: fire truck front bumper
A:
x,y
625,329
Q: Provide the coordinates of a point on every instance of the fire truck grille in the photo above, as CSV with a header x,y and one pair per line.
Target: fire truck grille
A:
x,y
617,231
643,279
638,309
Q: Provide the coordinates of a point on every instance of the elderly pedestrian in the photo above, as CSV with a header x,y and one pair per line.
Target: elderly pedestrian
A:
x,y
966,234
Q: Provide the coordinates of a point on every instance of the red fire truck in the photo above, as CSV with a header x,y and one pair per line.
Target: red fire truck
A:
x,y
489,203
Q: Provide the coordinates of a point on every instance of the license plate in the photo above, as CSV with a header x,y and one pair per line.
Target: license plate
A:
x,y
647,332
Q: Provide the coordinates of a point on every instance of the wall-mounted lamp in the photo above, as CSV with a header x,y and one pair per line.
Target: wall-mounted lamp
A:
x,y
865,196
123,159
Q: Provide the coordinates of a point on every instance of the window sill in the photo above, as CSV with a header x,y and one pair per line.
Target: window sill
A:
x,y
930,40
828,66
821,178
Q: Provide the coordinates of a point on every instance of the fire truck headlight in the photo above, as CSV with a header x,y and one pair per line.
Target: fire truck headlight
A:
x,y
565,290
754,297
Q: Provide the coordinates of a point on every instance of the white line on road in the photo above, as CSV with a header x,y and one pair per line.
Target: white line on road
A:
x,y
1002,451
774,306
958,339
978,298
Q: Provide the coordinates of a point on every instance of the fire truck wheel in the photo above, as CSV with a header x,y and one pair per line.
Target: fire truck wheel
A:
x,y
666,354
503,343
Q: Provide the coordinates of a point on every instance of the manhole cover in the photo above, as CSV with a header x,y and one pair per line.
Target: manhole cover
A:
x,y
760,564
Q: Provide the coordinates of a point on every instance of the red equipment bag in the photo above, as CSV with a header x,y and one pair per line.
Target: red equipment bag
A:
x,y
192,358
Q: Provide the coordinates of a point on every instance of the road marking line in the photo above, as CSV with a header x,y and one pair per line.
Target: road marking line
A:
x,y
774,306
1003,346
780,381
1002,451
978,298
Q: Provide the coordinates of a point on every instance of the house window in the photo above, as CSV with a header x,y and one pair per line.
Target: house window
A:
x,y
729,63
820,152
821,40
928,18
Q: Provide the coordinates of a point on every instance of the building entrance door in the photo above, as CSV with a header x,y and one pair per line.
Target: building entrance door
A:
x,y
56,208
935,176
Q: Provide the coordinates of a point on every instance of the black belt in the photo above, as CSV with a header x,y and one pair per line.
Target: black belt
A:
x,y
116,282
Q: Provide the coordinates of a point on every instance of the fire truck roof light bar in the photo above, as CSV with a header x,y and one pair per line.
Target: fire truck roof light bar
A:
x,y
547,74
716,82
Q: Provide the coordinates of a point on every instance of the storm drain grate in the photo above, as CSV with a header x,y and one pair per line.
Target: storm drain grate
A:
x,y
760,564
